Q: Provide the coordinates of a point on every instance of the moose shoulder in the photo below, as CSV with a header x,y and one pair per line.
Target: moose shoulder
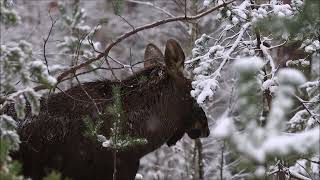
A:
x,y
157,105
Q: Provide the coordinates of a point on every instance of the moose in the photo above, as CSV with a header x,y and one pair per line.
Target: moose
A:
x,y
157,105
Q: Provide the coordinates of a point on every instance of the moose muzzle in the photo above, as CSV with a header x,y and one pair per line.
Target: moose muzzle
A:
x,y
199,130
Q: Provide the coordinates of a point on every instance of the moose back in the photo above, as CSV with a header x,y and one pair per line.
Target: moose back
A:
x,y
157,105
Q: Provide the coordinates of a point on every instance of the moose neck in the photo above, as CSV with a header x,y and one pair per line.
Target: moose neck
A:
x,y
154,107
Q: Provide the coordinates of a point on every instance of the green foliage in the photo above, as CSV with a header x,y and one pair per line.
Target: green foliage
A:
x,y
103,20
305,23
76,32
247,84
14,60
8,16
53,176
116,111
74,19
92,129
34,101
10,171
20,106
119,140
9,141
117,6
142,79
4,150
17,66
303,29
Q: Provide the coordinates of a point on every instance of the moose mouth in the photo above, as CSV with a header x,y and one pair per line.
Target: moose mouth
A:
x,y
194,133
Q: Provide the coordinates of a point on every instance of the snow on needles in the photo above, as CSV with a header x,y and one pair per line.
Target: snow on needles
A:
x,y
249,64
291,76
258,143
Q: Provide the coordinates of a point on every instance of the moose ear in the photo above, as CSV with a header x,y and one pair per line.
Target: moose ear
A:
x,y
174,55
152,55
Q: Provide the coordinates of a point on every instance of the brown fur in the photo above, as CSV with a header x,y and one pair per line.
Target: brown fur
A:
x,y
157,105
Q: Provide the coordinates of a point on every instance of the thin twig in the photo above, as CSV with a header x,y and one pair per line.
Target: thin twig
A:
x,y
316,162
185,8
130,61
305,170
112,72
53,22
92,100
306,108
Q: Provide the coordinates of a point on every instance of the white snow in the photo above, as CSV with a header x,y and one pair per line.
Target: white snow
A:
x,y
290,76
296,142
249,64
139,177
101,138
207,2
224,127
267,84
107,143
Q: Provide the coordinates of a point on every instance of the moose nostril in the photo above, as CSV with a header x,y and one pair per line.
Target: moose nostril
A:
x,y
208,133
195,133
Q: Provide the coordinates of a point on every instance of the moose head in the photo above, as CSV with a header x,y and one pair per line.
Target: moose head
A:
x,y
196,121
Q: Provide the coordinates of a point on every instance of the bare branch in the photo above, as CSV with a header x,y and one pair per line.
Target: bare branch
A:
x,y
130,33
